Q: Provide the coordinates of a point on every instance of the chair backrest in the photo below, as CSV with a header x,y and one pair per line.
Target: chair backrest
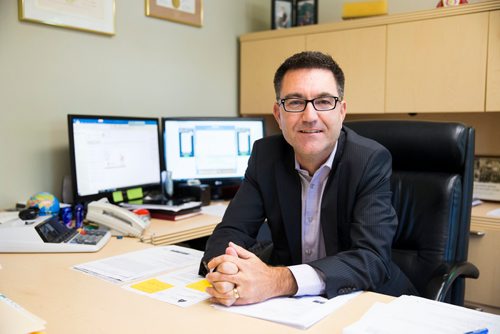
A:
x,y
432,193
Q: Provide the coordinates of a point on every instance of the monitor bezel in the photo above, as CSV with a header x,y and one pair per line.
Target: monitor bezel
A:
x,y
109,194
211,181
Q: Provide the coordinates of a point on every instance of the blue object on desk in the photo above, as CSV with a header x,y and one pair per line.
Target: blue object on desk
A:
x,y
478,331
78,216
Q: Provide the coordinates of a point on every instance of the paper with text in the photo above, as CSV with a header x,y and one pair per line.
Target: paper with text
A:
x,y
416,315
182,288
135,265
299,312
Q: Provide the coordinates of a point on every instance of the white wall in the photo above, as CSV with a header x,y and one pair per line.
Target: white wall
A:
x,y
151,67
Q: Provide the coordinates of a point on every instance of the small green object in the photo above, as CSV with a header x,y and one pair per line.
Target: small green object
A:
x,y
134,193
117,196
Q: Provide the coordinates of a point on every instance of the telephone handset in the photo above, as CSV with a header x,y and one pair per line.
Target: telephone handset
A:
x,y
121,221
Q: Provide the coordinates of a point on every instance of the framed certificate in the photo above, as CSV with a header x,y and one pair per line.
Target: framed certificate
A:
x,y
93,16
181,11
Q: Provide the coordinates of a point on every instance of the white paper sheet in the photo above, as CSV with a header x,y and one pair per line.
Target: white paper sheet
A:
x,y
299,312
214,210
182,288
415,315
135,265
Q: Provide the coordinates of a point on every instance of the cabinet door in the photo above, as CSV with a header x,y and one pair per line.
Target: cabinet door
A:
x,y
484,252
437,65
258,62
361,55
493,76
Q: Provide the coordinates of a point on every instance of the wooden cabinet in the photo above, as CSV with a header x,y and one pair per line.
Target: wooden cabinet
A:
x,y
443,60
484,252
361,54
437,65
493,75
258,62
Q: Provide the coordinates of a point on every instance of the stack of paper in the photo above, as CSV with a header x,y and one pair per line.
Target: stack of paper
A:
x,y
415,315
15,319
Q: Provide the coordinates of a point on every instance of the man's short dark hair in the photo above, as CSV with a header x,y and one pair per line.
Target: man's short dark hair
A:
x,y
309,59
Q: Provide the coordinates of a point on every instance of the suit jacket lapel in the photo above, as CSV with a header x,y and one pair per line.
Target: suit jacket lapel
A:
x,y
329,203
289,195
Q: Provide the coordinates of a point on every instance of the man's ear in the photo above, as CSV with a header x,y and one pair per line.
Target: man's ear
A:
x,y
277,114
343,109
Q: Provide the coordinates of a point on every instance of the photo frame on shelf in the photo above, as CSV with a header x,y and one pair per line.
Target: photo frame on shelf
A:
x,y
487,178
181,11
97,16
282,14
306,12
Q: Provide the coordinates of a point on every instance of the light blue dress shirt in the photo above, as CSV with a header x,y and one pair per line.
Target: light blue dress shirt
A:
x,y
310,281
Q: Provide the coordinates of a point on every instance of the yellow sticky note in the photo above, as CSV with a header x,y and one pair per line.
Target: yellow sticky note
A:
x,y
200,285
151,286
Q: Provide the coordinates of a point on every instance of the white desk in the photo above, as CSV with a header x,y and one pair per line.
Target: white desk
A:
x,y
73,302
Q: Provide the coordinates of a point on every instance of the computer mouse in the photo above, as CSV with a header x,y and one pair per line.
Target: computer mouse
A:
x,y
29,213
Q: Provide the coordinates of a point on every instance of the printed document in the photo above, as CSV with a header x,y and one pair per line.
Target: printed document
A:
x,y
299,312
416,315
135,265
182,288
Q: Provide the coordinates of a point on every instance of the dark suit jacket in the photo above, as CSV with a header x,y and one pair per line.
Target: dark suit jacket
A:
x,y
357,217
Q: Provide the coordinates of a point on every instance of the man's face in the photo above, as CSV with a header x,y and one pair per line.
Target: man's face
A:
x,y
311,133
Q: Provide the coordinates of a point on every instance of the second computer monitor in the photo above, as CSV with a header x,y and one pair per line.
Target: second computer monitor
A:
x,y
212,150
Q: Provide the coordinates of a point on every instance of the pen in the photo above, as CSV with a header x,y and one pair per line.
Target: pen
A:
x,y
478,331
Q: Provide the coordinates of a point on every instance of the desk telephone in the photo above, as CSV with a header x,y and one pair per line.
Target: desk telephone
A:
x,y
121,221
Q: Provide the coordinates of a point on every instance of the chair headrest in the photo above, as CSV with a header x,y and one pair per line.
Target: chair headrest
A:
x,y
419,145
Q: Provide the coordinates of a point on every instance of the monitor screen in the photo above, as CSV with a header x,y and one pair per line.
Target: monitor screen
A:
x,y
212,150
110,153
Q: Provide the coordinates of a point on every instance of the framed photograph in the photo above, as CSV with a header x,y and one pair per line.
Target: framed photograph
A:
x,y
282,14
93,16
180,11
306,12
487,178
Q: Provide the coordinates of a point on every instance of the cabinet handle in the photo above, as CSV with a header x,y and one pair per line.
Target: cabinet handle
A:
x,y
477,233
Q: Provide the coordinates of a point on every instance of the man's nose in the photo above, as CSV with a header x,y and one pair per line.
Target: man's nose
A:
x,y
310,113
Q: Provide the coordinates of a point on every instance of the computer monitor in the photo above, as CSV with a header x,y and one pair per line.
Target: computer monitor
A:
x,y
110,153
213,150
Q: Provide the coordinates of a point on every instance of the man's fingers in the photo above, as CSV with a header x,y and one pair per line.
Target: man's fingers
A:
x,y
223,287
231,251
228,268
240,251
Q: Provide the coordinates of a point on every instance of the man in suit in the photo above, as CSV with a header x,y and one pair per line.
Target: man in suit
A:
x,y
324,192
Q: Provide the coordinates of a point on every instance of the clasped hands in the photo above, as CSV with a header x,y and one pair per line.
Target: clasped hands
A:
x,y
239,277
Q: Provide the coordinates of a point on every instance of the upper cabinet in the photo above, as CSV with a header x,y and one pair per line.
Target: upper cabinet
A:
x,y
361,54
437,65
493,74
440,60
258,62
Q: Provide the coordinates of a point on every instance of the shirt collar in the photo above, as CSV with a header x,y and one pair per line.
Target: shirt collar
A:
x,y
328,163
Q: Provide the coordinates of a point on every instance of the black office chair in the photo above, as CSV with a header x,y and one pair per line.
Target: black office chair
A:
x,y
432,194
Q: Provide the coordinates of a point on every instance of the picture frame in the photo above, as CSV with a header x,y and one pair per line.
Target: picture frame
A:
x,y
282,14
306,12
188,12
97,16
487,178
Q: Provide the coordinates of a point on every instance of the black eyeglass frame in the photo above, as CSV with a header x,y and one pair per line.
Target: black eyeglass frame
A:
x,y
281,102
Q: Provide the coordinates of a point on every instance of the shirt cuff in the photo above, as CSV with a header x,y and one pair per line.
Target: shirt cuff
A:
x,y
309,281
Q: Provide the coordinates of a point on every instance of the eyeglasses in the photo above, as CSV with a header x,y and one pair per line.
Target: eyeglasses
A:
x,y
322,103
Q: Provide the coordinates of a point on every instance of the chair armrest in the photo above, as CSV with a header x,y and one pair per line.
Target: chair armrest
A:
x,y
444,277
